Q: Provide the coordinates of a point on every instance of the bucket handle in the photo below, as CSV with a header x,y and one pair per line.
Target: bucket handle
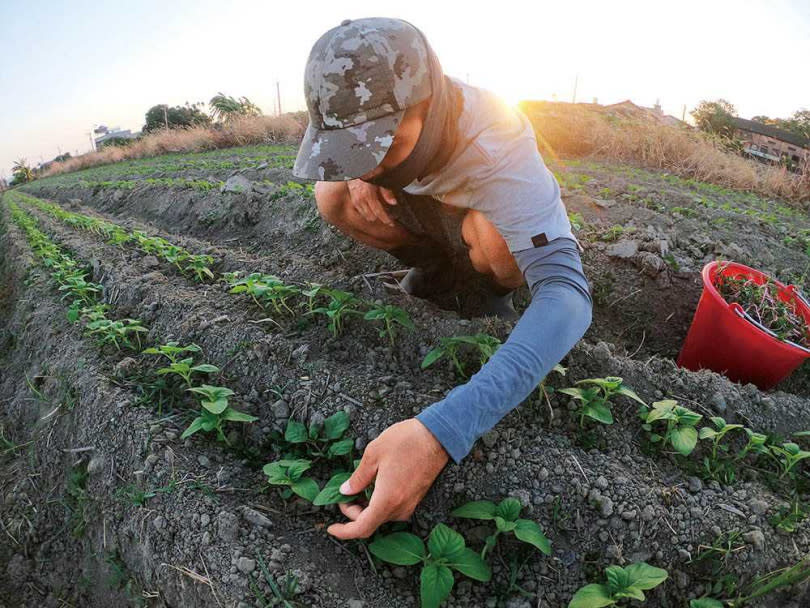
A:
x,y
738,310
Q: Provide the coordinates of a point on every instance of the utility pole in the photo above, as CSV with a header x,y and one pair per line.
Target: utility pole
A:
x,y
683,114
92,142
576,80
165,117
278,97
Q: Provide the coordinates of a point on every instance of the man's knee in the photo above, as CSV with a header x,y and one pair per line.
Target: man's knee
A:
x,y
331,198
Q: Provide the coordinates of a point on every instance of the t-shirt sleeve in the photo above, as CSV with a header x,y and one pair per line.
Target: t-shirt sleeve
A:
x,y
557,317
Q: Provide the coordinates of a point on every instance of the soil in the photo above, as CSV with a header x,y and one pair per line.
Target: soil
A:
x,y
88,438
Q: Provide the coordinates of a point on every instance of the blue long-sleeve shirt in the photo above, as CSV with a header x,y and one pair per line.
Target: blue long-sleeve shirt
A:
x,y
557,317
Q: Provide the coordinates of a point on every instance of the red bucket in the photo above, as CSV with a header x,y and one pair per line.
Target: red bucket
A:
x,y
723,340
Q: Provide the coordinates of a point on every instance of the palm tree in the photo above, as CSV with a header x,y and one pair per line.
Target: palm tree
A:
x,y
22,172
225,108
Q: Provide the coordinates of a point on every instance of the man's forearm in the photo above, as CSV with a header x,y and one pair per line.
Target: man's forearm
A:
x,y
558,316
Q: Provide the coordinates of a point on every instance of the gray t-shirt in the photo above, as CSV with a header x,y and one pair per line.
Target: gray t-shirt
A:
x,y
498,171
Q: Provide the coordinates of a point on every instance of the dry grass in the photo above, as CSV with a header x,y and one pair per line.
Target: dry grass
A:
x,y
240,132
579,131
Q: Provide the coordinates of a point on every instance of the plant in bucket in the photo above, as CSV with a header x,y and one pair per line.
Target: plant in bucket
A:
x,y
747,326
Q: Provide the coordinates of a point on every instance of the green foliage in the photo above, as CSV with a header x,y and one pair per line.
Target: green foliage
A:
x,y
595,398
705,602
576,220
290,473
341,305
484,344
506,516
183,368
718,465
216,411
680,430
757,444
264,289
446,552
283,594
161,117
622,583
389,315
118,333
319,441
786,457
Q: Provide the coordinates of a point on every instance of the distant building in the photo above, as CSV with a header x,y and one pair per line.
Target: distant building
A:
x,y
115,136
771,144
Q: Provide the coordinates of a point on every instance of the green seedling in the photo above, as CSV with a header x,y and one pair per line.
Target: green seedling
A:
x,y
117,333
485,344
290,473
757,444
506,516
341,305
622,583
181,367
76,285
716,464
282,594
788,517
446,551
199,266
595,399
312,292
265,288
330,494
216,411
680,432
787,456
320,441
576,220
390,315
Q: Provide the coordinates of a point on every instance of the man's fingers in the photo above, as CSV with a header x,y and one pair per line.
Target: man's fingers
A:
x,y
388,196
379,211
351,510
364,474
371,518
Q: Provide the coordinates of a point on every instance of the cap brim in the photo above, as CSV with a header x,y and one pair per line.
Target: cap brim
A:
x,y
342,154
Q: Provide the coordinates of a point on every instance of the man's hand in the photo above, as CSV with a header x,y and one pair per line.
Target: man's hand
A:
x,y
405,459
370,200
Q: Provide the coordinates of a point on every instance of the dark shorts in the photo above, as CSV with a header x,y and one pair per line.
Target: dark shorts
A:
x,y
427,216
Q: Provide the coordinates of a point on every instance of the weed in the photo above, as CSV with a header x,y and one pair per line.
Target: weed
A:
x,y
282,594
77,499
786,457
757,444
485,344
446,551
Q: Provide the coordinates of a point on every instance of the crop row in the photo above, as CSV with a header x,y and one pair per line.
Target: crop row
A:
x,y
303,449
86,307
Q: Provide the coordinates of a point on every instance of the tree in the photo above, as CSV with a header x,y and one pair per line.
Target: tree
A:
x,y
22,172
225,108
715,117
188,115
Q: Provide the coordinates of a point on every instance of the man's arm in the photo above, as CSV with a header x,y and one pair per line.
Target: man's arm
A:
x,y
559,314
408,456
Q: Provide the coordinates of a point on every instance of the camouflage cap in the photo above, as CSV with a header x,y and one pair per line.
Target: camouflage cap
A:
x,y
360,78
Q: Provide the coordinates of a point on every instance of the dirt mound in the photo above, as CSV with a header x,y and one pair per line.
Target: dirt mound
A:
x,y
104,504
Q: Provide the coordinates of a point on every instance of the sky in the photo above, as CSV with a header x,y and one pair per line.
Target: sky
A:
x,y
66,67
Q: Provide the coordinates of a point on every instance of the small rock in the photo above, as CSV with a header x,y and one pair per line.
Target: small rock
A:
x,y
758,506
719,402
125,366
228,526
490,438
204,461
280,410
236,183
246,565
150,261
756,538
623,249
694,484
256,518
601,483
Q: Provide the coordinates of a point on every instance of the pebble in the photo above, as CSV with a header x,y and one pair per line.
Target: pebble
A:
x,y
228,526
601,483
204,461
694,484
758,506
246,565
756,538
256,518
